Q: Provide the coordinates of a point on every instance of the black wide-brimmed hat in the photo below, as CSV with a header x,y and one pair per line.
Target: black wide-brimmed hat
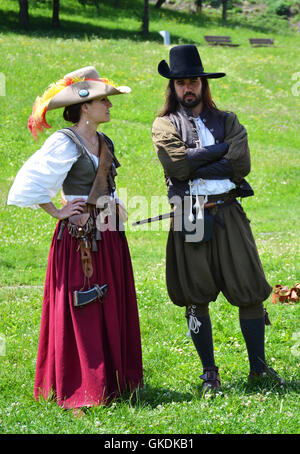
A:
x,y
185,62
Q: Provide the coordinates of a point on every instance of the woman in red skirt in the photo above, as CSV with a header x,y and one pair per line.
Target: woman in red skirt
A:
x,y
89,347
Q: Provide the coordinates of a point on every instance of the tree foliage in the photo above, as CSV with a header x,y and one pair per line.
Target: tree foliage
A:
x,y
285,8
95,3
199,3
159,3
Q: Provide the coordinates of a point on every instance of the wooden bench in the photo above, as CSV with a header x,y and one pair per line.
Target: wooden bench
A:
x,y
259,42
220,41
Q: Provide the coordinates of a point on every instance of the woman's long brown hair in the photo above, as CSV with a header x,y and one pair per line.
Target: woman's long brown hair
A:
x,y
172,104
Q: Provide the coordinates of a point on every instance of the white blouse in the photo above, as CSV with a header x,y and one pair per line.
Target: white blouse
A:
x,y
42,175
207,187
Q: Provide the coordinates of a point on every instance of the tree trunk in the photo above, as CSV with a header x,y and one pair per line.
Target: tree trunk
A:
x,y
224,10
117,3
198,4
55,14
23,14
159,3
145,27
97,4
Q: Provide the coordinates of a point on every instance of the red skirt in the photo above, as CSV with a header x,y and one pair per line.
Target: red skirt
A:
x,y
88,355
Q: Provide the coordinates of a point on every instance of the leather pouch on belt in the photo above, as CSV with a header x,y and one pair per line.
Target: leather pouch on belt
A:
x,y
208,228
80,224
79,219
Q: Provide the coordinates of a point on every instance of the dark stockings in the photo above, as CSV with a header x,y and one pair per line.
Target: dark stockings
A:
x,y
253,330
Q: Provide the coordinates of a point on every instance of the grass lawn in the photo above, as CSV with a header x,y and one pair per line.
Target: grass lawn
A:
x,y
259,89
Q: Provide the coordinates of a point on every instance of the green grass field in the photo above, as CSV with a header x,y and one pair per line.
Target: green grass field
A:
x,y
261,88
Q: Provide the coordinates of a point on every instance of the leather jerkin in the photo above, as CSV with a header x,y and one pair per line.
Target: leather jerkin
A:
x,y
101,187
101,183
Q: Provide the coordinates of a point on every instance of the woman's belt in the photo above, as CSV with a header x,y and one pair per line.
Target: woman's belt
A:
x,y
86,227
83,227
92,209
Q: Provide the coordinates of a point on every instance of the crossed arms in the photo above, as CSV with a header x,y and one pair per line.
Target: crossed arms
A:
x,y
230,159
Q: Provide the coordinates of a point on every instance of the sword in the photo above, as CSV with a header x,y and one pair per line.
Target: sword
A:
x,y
156,218
171,214
81,298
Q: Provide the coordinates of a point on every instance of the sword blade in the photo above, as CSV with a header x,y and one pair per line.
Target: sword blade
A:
x,y
171,214
156,218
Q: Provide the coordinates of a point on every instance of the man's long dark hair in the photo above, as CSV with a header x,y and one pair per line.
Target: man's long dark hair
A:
x,y
171,104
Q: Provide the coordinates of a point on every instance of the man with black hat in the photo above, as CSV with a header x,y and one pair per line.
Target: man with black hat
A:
x,y
204,152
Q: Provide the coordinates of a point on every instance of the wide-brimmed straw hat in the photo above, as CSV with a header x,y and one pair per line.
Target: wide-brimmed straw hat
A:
x,y
185,62
79,86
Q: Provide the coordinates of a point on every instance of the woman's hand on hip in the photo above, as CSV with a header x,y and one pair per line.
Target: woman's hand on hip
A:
x,y
75,206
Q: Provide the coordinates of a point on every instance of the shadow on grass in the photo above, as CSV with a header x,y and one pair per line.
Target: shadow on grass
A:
x,y
269,386
40,25
154,396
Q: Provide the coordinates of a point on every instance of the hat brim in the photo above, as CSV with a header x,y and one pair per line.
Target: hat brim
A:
x,y
164,70
90,88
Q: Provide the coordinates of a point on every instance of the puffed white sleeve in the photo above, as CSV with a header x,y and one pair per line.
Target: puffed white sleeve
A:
x,y
42,175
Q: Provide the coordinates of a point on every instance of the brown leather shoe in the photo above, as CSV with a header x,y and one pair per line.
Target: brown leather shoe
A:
x,y
211,378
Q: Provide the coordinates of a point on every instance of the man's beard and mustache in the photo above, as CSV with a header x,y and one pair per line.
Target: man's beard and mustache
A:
x,y
193,102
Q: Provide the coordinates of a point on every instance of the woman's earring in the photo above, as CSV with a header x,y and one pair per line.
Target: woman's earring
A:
x,y
87,122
